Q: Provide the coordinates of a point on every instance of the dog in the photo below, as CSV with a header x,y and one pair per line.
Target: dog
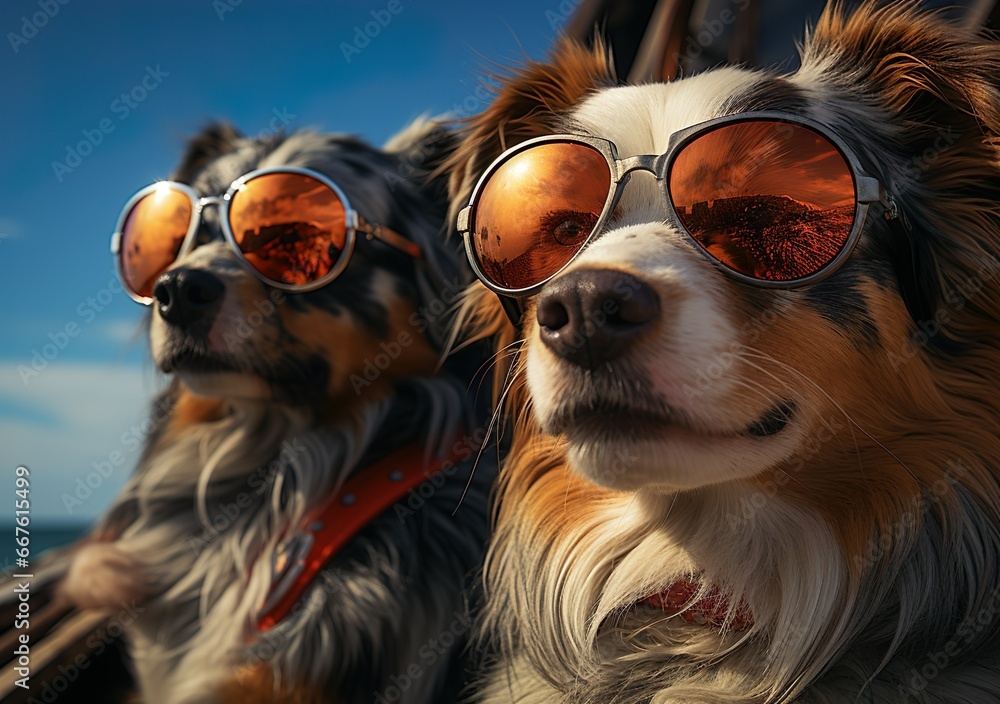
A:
x,y
721,488
279,402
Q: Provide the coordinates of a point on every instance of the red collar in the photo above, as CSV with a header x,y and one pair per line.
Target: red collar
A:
x,y
710,610
326,530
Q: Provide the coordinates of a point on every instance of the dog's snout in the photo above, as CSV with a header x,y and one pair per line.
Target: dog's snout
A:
x,y
591,316
184,296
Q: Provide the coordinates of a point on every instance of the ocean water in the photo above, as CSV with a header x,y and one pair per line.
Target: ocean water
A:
x,y
43,537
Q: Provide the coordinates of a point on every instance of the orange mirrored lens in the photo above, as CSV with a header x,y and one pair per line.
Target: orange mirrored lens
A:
x,y
152,236
290,227
537,210
771,200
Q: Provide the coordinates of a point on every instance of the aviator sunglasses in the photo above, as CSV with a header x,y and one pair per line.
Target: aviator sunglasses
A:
x,y
775,200
292,227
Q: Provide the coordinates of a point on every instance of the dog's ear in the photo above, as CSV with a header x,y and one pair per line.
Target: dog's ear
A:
x,y
423,147
935,87
424,143
216,139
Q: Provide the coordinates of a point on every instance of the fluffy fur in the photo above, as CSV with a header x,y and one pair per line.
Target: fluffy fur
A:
x,y
269,410
865,533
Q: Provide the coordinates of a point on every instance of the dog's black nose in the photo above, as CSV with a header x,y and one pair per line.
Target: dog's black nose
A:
x,y
184,296
591,316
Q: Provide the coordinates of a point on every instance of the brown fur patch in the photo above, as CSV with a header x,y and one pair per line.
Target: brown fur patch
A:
x,y
349,350
256,685
191,409
850,471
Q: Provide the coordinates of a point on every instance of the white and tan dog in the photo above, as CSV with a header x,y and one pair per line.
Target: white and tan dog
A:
x,y
761,495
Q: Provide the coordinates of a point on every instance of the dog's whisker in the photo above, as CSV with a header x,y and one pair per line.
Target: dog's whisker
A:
x,y
851,420
508,382
493,362
750,353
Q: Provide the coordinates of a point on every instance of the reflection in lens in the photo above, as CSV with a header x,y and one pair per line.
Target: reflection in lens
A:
x,y
536,211
152,235
290,227
771,200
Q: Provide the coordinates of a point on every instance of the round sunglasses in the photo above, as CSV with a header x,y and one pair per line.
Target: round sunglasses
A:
x,y
775,200
292,227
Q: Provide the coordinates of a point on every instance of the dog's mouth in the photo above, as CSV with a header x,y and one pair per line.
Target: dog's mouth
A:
x,y
646,420
189,360
772,422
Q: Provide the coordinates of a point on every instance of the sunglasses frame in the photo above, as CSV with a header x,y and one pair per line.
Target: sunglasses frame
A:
x,y
867,190
353,221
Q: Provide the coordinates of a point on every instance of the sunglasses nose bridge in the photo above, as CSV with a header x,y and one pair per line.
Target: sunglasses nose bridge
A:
x,y
204,203
652,163
210,200
641,162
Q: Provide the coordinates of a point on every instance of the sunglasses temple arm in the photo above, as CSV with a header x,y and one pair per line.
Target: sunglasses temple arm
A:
x,y
390,237
513,308
909,289
870,190
893,213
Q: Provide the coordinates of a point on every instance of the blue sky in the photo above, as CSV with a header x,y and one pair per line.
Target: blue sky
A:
x,y
63,73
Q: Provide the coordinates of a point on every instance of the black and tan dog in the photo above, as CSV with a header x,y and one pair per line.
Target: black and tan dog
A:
x,y
745,469
286,412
